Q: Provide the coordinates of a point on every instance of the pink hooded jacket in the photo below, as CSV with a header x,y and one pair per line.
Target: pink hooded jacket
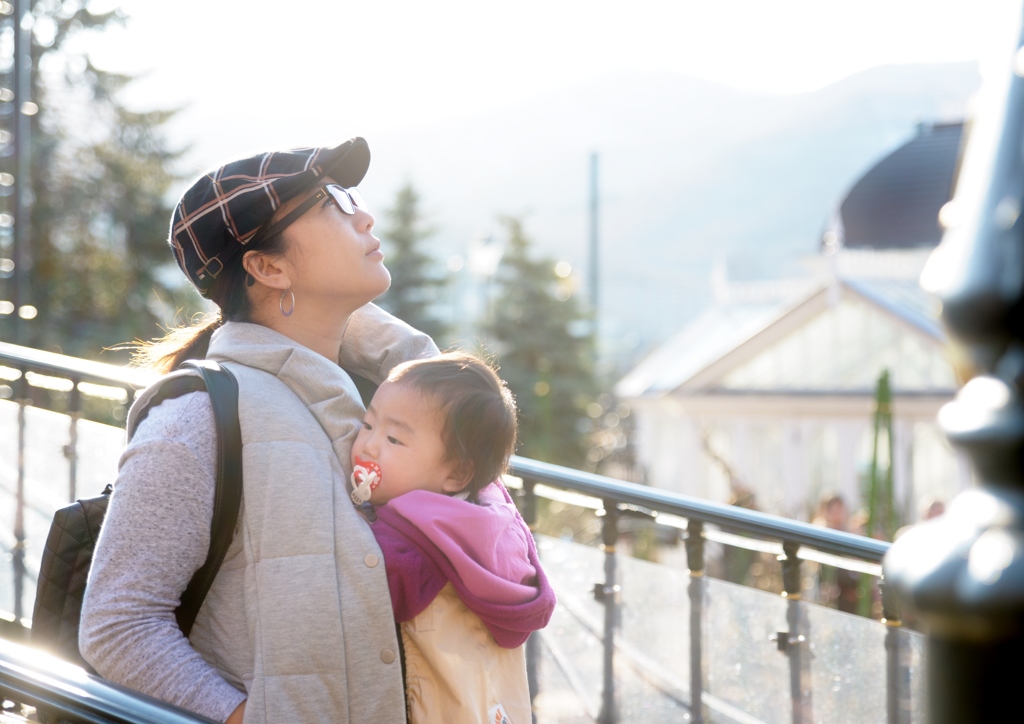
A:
x,y
484,550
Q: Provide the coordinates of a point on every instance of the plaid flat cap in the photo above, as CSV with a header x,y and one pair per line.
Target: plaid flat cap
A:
x,y
224,210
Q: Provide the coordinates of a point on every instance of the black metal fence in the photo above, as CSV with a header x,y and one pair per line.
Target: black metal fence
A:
x,y
23,371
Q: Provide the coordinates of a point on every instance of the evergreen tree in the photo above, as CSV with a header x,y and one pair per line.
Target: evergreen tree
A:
x,y
416,288
98,220
535,329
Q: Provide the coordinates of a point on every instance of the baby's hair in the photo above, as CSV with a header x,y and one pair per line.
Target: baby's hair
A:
x,y
479,412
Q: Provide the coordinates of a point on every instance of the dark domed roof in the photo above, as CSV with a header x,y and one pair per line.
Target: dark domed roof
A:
x,y
896,204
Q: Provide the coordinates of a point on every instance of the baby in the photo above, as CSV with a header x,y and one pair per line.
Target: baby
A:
x,y
466,585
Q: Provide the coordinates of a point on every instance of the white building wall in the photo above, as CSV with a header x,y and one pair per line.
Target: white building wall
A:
x,y
740,453
850,433
797,502
666,464
668,447
775,455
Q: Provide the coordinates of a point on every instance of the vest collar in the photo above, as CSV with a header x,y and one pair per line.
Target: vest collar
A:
x,y
322,386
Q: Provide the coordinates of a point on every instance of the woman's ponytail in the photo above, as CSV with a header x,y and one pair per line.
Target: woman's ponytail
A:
x,y
179,344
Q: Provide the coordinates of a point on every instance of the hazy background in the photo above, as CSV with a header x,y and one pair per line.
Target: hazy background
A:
x,y
727,131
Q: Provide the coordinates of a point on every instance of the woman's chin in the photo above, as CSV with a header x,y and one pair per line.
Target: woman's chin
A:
x,y
386,282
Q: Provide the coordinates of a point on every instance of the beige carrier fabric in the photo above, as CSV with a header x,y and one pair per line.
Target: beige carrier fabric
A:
x,y
455,672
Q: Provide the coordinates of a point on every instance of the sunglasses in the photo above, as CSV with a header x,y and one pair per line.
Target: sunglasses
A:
x,y
348,200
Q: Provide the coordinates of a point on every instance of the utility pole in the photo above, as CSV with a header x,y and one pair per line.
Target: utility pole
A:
x,y
594,257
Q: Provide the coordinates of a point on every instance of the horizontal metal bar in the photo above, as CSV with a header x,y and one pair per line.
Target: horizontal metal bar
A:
x,y
31,677
80,369
568,497
771,547
849,564
804,552
726,516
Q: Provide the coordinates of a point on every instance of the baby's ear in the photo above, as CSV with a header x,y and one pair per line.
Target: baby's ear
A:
x,y
460,477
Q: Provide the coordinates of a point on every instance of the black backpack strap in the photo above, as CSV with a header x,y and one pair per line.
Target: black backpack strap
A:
x,y
173,387
223,389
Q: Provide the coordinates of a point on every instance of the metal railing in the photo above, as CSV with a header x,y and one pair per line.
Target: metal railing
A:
x,y
63,692
24,367
792,541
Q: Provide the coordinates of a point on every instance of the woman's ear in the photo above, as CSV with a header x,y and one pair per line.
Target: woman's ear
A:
x,y
267,270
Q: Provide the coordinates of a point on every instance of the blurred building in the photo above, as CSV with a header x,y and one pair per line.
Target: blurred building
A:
x,y
772,390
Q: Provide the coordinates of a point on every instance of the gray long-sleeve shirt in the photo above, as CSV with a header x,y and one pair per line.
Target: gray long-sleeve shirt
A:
x,y
159,519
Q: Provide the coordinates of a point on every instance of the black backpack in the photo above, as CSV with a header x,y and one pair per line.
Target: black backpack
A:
x,y
68,553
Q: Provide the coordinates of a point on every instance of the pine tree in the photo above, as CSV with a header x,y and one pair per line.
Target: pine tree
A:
x,y
416,287
100,174
537,330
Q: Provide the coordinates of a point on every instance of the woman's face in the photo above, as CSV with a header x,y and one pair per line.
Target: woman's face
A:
x,y
332,256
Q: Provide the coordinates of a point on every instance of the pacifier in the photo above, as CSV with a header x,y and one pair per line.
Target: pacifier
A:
x,y
365,479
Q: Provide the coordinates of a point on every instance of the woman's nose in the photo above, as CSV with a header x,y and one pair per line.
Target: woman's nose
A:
x,y
364,220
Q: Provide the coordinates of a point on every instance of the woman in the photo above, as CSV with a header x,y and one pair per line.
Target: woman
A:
x,y
297,626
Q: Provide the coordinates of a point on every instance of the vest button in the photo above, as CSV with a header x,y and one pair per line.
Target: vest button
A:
x,y
371,561
387,656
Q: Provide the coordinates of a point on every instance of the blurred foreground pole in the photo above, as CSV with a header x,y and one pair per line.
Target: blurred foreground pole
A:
x,y
963,574
22,177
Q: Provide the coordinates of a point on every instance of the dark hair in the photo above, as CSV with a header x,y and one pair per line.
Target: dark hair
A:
x,y
228,293
479,428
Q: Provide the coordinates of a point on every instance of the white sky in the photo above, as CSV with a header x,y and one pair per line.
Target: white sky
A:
x,y
388,64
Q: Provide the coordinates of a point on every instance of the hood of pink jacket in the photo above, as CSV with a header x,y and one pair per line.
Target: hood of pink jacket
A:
x,y
485,550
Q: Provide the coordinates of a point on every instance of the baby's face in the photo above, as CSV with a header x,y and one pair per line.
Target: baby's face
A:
x,y
401,435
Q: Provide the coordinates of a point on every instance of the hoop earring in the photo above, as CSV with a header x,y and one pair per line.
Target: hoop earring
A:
x,y
280,302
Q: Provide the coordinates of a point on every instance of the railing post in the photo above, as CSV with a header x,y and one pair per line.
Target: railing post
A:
x,y
793,643
18,554
608,593
71,449
897,703
532,643
695,562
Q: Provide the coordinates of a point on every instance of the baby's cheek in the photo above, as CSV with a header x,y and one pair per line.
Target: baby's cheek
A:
x,y
357,448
